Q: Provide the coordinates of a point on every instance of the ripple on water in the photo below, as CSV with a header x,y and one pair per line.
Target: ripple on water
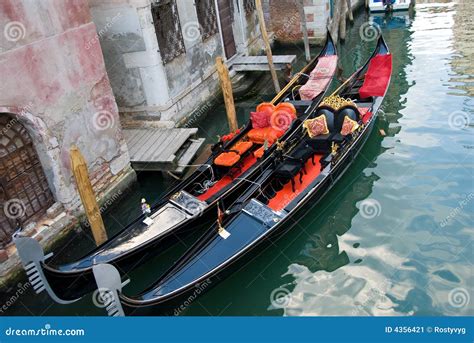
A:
x,y
415,257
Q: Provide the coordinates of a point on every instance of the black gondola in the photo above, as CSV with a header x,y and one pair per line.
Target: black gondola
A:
x,y
189,204
304,173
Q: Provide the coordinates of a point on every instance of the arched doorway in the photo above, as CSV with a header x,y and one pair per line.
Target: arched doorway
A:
x,y
24,190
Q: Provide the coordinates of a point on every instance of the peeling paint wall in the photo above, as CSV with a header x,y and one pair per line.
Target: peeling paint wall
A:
x,y
53,79
142,84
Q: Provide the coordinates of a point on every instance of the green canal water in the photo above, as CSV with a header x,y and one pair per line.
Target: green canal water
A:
x,y
394,237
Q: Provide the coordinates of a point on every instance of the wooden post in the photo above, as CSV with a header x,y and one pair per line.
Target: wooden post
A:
x,y
349,8
268,49
79,169
305,30
226,86
342,22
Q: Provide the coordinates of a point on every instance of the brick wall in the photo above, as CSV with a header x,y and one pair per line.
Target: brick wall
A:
x,y
284,19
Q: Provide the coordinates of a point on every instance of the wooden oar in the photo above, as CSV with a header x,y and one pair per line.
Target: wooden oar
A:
x,y
345,83
290,84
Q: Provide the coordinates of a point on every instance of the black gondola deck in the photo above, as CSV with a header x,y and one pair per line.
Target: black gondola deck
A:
x,y
251,222
139,241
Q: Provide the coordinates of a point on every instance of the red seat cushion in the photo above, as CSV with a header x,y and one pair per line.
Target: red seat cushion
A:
x,y
259,152
317,126
227,159
242,147
269,134
260,119
348,126
266,107
377,76
281,119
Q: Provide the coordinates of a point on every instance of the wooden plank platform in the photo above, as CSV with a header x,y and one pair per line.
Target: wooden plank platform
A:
x,y
260,63
187,157
159,149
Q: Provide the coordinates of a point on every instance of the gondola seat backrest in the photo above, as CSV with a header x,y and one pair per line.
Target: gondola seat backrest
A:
x,y
377,77
270,122
350,111
330,118
334,122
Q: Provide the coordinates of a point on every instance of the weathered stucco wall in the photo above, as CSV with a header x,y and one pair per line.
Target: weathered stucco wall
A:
x,y
54,81
142,84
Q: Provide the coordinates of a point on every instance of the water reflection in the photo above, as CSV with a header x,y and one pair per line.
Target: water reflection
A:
x,y
401,262
415,256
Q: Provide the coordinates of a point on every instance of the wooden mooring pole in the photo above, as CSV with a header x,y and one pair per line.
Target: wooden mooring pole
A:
x,y
349,8
84,186
305,30
266,41
226,86
342,22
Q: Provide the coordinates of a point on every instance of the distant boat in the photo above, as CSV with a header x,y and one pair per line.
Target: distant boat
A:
x,y
390,21
389,5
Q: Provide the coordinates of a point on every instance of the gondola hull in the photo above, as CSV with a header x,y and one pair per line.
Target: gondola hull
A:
x,y
72,281
173,305
71,284
265,210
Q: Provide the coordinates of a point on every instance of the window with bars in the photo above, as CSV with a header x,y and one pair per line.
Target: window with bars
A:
x,y
249,6
207,16
231,7
168,29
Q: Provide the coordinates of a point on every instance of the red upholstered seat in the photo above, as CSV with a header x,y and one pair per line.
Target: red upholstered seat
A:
x,y
319,77
269,134
227,159
259,152
242,147
230,158
377,76
266,107
286,106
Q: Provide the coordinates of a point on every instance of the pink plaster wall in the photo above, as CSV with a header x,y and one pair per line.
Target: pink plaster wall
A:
x,y
47,69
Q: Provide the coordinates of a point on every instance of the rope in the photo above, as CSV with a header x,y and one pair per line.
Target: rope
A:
x,y
207,183
254,183
293,91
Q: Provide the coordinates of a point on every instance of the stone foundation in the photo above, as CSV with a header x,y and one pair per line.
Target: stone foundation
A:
x,y
50,231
